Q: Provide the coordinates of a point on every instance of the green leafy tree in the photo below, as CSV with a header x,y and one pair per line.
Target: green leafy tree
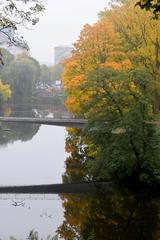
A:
x,y
22,74
45,74
112,78
7,59
150,5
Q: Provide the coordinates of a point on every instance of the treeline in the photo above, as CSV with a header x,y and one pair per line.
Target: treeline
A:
x,y
113,79
23,73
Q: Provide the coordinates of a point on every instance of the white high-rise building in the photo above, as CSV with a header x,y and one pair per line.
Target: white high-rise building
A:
x,y
61,53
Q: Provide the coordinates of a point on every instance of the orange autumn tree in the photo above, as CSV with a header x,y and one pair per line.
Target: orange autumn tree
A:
x,y
98,46
140,36
112,79
124,39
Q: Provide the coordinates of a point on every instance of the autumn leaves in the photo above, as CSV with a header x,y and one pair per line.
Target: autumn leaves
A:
x,y
123,40
113,77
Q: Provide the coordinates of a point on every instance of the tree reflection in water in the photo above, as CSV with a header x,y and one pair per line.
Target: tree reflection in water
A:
x,y
121,215
10,132
118,214
33,235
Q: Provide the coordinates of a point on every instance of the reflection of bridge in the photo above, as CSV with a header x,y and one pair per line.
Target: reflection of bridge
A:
x,y
68,122
89,187
7,196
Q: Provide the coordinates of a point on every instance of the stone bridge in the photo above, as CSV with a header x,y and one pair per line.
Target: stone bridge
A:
x,y
68,122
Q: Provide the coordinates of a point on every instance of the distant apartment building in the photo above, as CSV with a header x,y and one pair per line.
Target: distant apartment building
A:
x,y
60,54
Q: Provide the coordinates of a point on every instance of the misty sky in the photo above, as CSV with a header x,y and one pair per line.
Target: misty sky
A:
x,y
61,24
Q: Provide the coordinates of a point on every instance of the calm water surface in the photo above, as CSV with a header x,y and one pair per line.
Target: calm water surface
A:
x,y
32,159
39,160
34,154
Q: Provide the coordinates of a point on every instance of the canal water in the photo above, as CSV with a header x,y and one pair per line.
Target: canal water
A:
x,y
39,160
30,154
33,154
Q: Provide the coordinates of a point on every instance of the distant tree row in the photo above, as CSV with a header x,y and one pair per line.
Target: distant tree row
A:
x,y
23,72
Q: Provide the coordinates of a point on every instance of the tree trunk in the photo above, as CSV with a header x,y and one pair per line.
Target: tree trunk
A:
x,y
156,106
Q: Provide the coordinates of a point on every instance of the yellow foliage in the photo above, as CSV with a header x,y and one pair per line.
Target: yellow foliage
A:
x,y
7,111
126,64
5,91
123,39
114,65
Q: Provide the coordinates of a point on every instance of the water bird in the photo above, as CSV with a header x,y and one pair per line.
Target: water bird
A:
x,y
45,214
17,204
